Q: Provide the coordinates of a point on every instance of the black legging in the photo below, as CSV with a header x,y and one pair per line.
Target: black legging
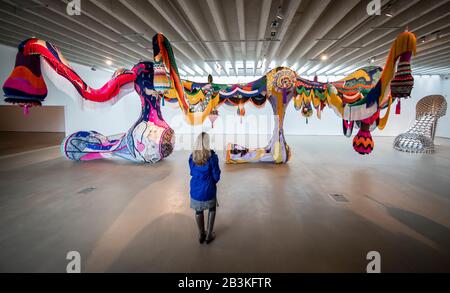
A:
x,y
201,212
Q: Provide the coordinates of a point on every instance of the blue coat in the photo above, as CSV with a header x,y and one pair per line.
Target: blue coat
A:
x,y
204,178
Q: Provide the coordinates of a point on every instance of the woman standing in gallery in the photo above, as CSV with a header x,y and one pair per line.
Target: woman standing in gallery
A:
x,y
205,173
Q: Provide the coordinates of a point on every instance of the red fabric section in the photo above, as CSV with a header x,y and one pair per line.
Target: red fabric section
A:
x,y
103,94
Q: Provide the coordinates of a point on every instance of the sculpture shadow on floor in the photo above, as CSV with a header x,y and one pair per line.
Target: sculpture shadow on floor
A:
x,y
430,229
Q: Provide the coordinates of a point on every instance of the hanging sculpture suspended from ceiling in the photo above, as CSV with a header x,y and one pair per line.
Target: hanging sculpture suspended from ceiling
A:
x,y
358,99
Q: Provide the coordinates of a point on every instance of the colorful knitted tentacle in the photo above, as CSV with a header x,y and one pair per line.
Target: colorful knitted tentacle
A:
x,y
26,82
403,82
162,51
404,45
378,97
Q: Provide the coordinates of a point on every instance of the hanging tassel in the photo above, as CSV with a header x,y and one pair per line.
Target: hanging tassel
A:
x,y
398,108
241,111
162,102
347,127
26,110
307,120
213,116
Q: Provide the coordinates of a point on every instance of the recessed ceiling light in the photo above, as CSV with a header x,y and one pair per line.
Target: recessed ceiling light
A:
x,y
279,14
324,57
108,62
389,14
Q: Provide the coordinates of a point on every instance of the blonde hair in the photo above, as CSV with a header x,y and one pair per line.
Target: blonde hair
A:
x,y
201,152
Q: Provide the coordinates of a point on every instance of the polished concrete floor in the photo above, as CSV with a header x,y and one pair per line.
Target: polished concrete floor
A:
x,y
124,217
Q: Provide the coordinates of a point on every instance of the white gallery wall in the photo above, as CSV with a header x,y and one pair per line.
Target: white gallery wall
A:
x,y
120,117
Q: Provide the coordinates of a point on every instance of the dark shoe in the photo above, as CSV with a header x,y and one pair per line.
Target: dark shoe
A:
x,y
210,236
200,219
202,238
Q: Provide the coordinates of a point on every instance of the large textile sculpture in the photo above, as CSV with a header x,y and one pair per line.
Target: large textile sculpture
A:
x,y
420,137
358,99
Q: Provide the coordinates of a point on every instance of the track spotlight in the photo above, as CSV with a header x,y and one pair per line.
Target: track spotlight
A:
x,y
388,12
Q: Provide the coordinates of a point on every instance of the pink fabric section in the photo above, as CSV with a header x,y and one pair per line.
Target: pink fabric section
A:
x,y
92,156
24,86
140,146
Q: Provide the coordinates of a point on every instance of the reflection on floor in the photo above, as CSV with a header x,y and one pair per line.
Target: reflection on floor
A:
x,y
18,142
124,217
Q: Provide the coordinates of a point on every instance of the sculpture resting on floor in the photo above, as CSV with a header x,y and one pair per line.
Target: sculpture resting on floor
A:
x,y
357,99
420,137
